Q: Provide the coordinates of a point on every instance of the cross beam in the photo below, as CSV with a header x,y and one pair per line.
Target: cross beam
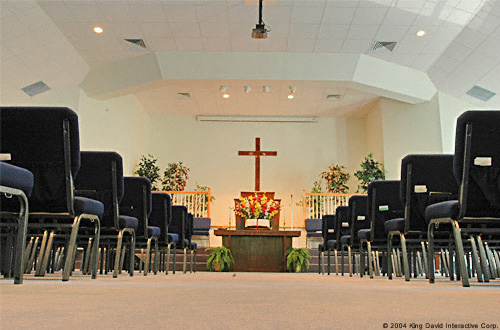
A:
x,y
257,153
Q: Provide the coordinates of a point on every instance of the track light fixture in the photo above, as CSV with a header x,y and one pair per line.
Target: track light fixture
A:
x,y
260,31
223,90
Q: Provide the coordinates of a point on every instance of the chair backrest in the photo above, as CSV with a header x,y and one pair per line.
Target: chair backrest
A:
x,y
202,224
328,228
476,163
357,216
179,223
136,201
161,213
45,141
383,204
313,225
189,226
342,224
101,178
425,179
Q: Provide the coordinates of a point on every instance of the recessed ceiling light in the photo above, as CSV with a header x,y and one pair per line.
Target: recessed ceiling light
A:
x,y
225,95
98,29
291,96
421,33
248,89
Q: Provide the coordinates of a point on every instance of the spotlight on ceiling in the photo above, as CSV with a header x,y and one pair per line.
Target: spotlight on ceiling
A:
x,y
248,89
260,31
421,33
266,89
291,95
98,29
223,90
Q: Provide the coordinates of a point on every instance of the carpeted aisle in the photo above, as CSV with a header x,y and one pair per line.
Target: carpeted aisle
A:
x,y
243,301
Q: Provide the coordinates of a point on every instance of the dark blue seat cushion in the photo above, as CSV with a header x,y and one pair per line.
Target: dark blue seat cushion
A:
x,y
345,240
173,238
201,224
315,234
331,244
397,224
448,209
88,206
193,246
321,247
154,231
128,222
201,232
364,234
16,177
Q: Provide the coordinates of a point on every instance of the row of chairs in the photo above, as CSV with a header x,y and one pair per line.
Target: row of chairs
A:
x,y
440,202
66,198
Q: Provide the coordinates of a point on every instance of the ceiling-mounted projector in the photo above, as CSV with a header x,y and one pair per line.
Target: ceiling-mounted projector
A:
x,y
260,31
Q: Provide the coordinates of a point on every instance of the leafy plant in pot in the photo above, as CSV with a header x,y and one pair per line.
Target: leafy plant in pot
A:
x,y
336,179
175,177
147,167
297,260
220,260
371,170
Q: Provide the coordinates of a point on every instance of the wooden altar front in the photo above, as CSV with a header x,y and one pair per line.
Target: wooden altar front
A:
x,y
275,221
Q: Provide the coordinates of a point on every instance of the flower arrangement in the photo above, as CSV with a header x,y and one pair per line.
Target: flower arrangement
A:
x,y
256,207
336,178
175,177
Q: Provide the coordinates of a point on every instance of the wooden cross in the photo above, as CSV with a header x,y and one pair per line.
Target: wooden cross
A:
x,y
257,153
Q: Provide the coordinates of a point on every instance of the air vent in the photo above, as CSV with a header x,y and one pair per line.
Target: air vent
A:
x,y
480,93
135,44
184,95
36,88
334,97
384,46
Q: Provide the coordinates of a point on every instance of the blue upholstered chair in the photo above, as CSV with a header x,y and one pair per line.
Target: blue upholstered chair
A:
x,y
342,229
383,203
201,227
357,220
179,227
425,179
15,181
476,168
192,246
137,203
314,228
161,216
45,141
329,235
101,178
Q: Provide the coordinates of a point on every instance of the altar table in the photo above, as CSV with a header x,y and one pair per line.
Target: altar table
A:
x,y
258,250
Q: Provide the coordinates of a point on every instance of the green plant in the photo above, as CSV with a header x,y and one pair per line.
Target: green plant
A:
x,y
336,178
297,260
220,260
204,188
175,177
371,170
147,167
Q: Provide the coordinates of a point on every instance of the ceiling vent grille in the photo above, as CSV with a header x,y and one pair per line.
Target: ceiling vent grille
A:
x,y
480,93
36,88
135,44
384,46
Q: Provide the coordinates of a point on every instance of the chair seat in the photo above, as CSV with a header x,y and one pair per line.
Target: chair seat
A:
x,y
397,224
173,238
321,247
154,231
88,206
128,222
364,234
331,244
447,209
16,177
314,234
193,246
201,232
345,240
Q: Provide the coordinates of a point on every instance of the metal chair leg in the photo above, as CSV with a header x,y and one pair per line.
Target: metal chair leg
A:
x,y
168,260
497,261
460,254
430,252
361,259
47,254
389,253
426,262
406,267
370,265
491,261
336,262
475,260
482,258
328,256
41,255
148,256
349,255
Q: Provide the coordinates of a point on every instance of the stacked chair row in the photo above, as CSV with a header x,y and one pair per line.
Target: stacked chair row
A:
x,y
67,198
441,202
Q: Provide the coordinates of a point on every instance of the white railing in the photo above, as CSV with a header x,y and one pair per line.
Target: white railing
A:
x,y
197,202
316,205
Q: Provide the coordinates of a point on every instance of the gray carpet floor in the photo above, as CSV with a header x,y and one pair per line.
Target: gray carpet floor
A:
x,y
244,301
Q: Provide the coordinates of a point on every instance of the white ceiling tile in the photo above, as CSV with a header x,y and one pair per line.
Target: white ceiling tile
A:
x,y
362,31
148,12
85,12
457,51
244,45
301,45
448,31
410,47
4,11
465,75
496,34
214,30
161,44
369,15
22,44
34,18
334,15
274,15
217,44
36,57
403,58
154,30
485,26
181,13
397,16
272,44
309,3
470,38
17,7
377,3
124,30
310,15
212,13
11,27
5,54
189,44
185,30
446,64
460,17
410,4
303,31
436,75
57,11
481,62
116,11
435,46
470,6
328,45
277,30
391,32
424,61
381,56
490,46
490,81
238,13
331,31
342,3
357,46
48,34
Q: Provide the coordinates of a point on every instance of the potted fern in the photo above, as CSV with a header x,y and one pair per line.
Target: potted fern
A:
x,y
297,260
147,167
371,170
220,260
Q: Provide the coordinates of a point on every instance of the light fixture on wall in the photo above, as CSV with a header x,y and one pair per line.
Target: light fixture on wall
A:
x,y
223,90
248,89
291,95
266,89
